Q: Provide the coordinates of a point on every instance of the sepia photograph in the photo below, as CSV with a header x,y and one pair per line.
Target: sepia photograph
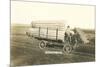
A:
x,y
51,33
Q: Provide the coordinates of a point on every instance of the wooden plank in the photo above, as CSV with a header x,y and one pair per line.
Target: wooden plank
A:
x,y
52,24
56,33
39,31
47,33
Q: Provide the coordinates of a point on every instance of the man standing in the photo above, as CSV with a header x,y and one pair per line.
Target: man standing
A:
x,y
68,34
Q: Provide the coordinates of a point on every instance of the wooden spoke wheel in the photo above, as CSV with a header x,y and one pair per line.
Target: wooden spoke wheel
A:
x,y
42,44
67,49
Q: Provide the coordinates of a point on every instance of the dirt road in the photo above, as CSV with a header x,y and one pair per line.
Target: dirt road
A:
x,y
25,51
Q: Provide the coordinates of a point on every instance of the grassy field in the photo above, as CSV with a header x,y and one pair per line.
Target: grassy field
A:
x,y
25,51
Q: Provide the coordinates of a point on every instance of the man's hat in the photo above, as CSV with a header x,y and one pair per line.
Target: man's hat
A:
x,y
68,26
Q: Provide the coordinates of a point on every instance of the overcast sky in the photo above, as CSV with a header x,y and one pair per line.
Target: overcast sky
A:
x,y
73,15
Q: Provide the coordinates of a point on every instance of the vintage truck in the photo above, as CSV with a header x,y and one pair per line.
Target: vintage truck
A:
x,y
52,34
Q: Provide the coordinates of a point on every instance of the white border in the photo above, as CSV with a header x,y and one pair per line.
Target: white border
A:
x,y
5,33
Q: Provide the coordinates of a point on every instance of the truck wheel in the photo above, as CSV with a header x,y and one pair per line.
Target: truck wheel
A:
x,y
67,49
42,44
